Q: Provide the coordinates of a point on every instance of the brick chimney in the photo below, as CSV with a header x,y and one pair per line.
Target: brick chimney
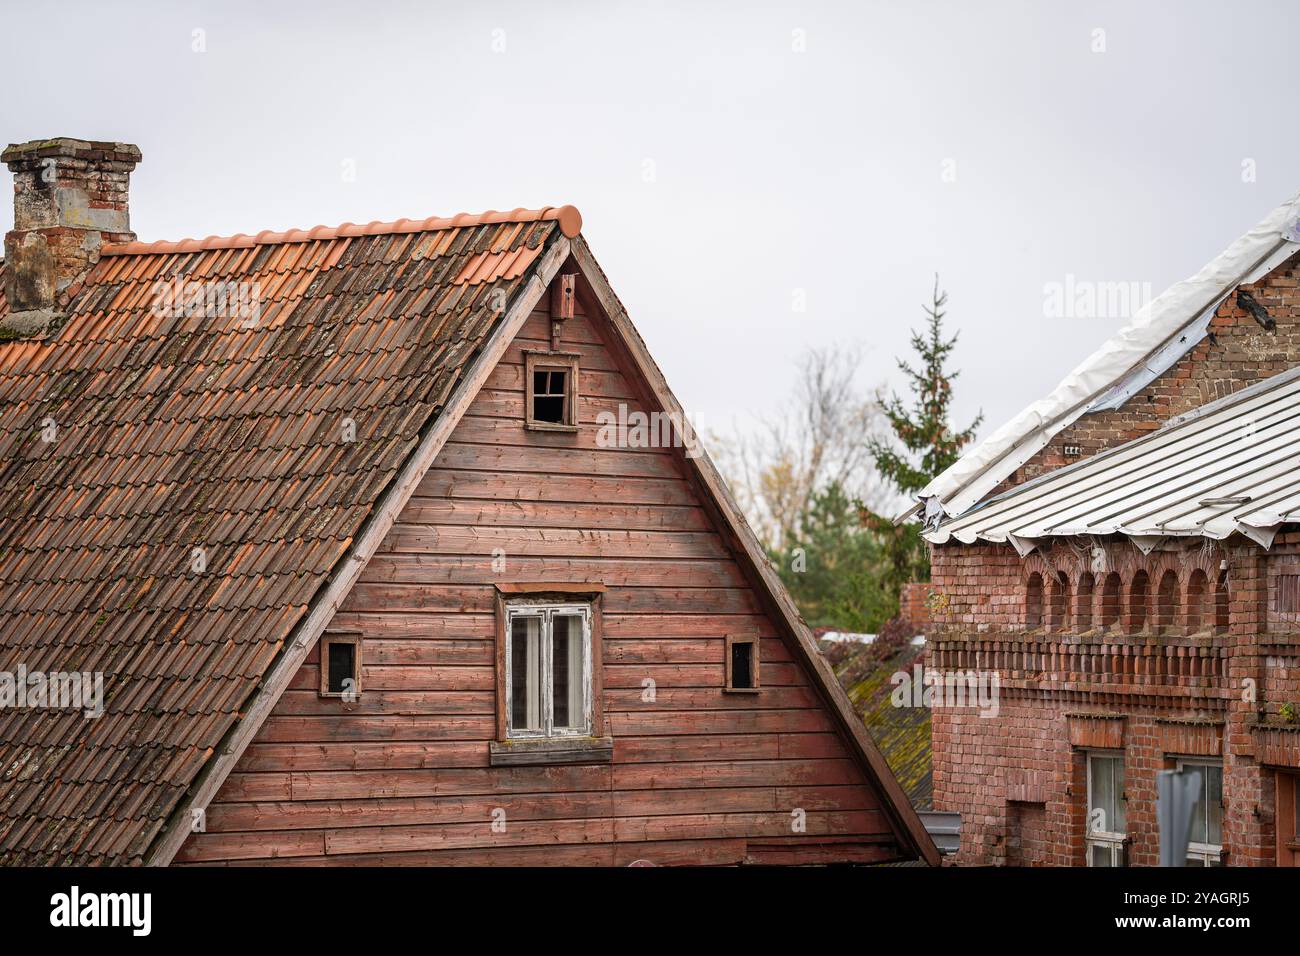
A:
x,y
70,197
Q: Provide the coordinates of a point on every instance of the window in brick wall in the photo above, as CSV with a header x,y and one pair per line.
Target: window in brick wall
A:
x,y
1106,817
1205,845
1034,601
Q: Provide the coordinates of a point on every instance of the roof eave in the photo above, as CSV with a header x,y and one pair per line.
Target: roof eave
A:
x,y
975,474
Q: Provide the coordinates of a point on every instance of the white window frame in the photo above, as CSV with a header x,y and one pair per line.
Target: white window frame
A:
x,y
547,612
1208,854
1110,840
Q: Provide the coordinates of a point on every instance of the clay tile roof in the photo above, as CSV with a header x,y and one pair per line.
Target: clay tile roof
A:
x,y
901,733
175,432
568,218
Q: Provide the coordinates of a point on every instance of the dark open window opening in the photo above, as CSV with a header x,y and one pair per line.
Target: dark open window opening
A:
x,y
551,383
340,665
742,665
550,396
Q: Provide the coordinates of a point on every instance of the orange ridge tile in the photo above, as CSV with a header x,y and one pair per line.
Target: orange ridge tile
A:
x,y
568,217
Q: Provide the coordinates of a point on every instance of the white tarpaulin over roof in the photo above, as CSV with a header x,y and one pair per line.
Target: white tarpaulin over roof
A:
x,y
1146,343
1231,465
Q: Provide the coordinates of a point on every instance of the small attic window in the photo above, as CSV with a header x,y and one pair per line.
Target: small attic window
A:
x,y
340,666
742,665
552,391
549,394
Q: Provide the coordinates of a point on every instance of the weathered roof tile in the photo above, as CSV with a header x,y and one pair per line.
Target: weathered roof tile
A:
x,y
177,430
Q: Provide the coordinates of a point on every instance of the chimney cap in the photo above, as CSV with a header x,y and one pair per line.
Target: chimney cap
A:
x,y
68,147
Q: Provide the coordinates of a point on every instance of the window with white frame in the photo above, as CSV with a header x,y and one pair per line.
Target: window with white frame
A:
x,y
1106,824
548,670
1205,844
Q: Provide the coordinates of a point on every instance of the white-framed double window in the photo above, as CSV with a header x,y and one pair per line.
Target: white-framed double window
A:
x,y
1205,845
548,670
1106,819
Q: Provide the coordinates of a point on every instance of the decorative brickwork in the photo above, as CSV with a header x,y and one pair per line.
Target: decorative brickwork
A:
x,y
1189,653
1169,680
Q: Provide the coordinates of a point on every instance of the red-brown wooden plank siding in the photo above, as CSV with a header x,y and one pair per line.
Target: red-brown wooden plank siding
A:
x,y
698,776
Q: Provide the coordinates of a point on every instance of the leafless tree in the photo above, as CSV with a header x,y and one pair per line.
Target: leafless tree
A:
x,y
821,437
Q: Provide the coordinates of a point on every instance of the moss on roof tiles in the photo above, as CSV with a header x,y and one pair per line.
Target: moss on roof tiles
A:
x,y
901,733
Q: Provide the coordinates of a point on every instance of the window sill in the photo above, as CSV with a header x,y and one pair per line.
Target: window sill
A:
x,y
540,753
534,426
741,690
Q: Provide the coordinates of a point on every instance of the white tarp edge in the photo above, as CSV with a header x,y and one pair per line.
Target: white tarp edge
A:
x,y
982,468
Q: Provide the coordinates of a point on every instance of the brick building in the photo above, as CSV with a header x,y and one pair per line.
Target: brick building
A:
x,y
1125,556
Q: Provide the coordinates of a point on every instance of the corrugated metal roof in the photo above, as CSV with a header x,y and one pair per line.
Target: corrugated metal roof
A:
x,y
1230,466
1158,335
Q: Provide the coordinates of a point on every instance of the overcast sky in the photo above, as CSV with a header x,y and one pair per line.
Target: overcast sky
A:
x,y
732,162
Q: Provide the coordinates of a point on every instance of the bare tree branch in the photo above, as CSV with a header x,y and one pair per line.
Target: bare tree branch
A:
x,y
822,437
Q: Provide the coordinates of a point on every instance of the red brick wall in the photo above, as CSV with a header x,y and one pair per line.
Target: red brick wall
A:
x,y
1189,690
914,604
1193,690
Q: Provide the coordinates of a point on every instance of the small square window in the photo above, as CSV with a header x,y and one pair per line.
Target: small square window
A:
x,y
742,665
550,397
340,666
551,400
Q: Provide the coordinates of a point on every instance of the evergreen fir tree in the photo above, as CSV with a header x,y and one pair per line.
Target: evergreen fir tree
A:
x,y
922,429
928,445
831,566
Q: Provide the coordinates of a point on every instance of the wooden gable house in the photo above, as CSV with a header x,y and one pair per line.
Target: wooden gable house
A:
x,y
391,570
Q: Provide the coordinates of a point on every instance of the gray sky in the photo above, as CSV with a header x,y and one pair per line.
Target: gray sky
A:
x,y
728,159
